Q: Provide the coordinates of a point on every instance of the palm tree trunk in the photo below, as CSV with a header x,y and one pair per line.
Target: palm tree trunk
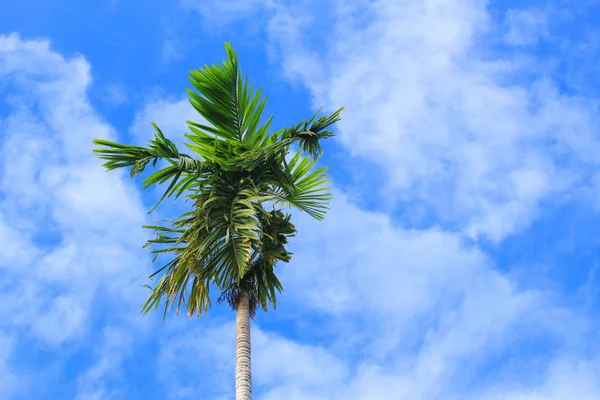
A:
x,y
243,370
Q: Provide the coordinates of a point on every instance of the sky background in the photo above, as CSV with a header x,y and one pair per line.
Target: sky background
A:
x,y
460,259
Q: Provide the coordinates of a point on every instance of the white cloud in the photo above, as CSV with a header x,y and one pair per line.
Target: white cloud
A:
x,y
451,128
8,380
169,51
280,366
402,313
387,289
279,361
421,313
225,12
525,27
15,248
566,379
115,345
206,345
114,95
69,228
170,116
171,47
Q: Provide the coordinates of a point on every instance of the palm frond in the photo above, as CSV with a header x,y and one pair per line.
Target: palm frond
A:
x,y
227,101
299,185
228,240
309,133
137,158
260,281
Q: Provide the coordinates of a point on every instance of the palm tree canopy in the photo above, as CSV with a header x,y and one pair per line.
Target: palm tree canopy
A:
x,y
239,168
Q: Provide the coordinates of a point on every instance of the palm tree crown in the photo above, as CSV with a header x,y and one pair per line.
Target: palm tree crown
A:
x,y
238,176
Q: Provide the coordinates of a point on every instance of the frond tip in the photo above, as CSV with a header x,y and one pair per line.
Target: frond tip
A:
x,y
310,133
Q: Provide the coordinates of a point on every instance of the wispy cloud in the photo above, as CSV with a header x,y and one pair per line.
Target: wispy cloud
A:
x,y
455,127
525,27
223,13
477,140
170,115
114,95
63,215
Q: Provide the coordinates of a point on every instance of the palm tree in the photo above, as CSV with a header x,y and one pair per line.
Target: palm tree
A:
x,y
238,179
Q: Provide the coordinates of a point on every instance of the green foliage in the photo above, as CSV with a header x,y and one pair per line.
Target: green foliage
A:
x,y
229,240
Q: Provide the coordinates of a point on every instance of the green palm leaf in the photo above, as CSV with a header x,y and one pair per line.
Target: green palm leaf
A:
x,y
228,240
227,101
299,184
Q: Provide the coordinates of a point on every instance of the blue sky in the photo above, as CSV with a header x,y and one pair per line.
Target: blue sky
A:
x,y
460,256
